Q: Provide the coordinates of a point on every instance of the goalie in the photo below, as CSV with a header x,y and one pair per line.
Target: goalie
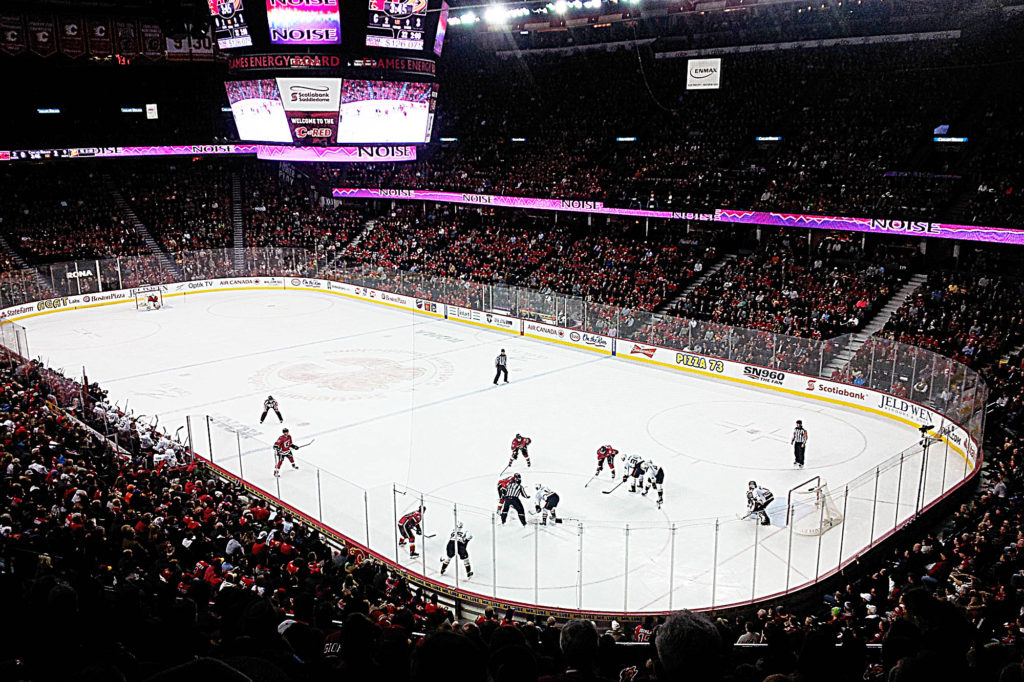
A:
x,y
758,499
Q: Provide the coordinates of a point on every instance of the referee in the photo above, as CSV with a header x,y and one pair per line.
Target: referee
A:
x,y
500,368
512,500
799,442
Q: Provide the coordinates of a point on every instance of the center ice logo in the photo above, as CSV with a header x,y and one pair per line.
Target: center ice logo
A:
x,y
353,375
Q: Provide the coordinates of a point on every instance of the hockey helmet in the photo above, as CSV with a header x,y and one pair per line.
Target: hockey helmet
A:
x,y
270,397
518,436
459,527
284,430
517,478
539,486
752,484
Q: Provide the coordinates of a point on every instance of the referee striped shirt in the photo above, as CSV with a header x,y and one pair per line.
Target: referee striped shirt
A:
x,y
515,489
500,360
800,435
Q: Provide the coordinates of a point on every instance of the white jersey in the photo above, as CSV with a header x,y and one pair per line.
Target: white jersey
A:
x,y
146,441
460,537
630,465
542,496
651,469
759,495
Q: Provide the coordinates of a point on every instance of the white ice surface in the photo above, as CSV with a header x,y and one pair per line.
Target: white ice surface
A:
x,y
399,399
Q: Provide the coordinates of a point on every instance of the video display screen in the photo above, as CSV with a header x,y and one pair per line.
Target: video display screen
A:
x,y
442,28
304,22
229,27
258,111
385,111
395,24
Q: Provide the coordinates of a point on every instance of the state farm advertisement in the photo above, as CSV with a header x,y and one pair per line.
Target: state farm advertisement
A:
x,y
312,107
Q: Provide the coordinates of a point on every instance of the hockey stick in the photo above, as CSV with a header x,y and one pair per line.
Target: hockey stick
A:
x,y
616,487
505,469
592,479
740,517
305,444
432,535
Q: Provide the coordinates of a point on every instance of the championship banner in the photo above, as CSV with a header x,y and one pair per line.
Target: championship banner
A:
x,y
42,35
312,106
152,40
72,37
98,39
126,37
13,40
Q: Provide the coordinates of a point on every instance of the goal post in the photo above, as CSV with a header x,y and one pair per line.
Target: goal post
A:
x,y
149,298
810,508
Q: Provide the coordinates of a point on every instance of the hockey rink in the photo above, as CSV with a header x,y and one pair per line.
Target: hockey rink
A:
x,y
401,407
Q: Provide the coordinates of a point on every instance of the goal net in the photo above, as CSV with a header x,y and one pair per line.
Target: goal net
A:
x,y
811,509
148,298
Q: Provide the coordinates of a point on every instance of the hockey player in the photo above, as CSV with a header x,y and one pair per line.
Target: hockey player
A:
x,y
547,500
268,405
408,527
606,452
513,492
283,448
503,485
519,444
633,470
758,499
655,476
457,542
153,302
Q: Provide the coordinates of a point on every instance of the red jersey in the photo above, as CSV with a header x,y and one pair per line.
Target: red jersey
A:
x,y
606,451
520,442
504,483
412,517
284,443
641,634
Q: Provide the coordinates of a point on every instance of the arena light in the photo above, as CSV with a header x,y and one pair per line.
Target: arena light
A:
x,y
768,138
52,110
625,139
949,139
448,139
519,139
495,15
560,7
134,110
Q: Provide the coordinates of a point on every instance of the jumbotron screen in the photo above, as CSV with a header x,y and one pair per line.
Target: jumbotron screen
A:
x,y
396,24
258,110
325,111
386,111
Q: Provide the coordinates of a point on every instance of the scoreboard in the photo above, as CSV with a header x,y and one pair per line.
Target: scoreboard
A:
x,y
328,72
397,24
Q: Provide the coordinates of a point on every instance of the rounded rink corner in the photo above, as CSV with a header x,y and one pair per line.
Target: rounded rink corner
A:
x,y
396,390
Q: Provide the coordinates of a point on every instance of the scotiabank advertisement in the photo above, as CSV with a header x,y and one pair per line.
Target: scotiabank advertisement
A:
x,y
304,22
311,106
